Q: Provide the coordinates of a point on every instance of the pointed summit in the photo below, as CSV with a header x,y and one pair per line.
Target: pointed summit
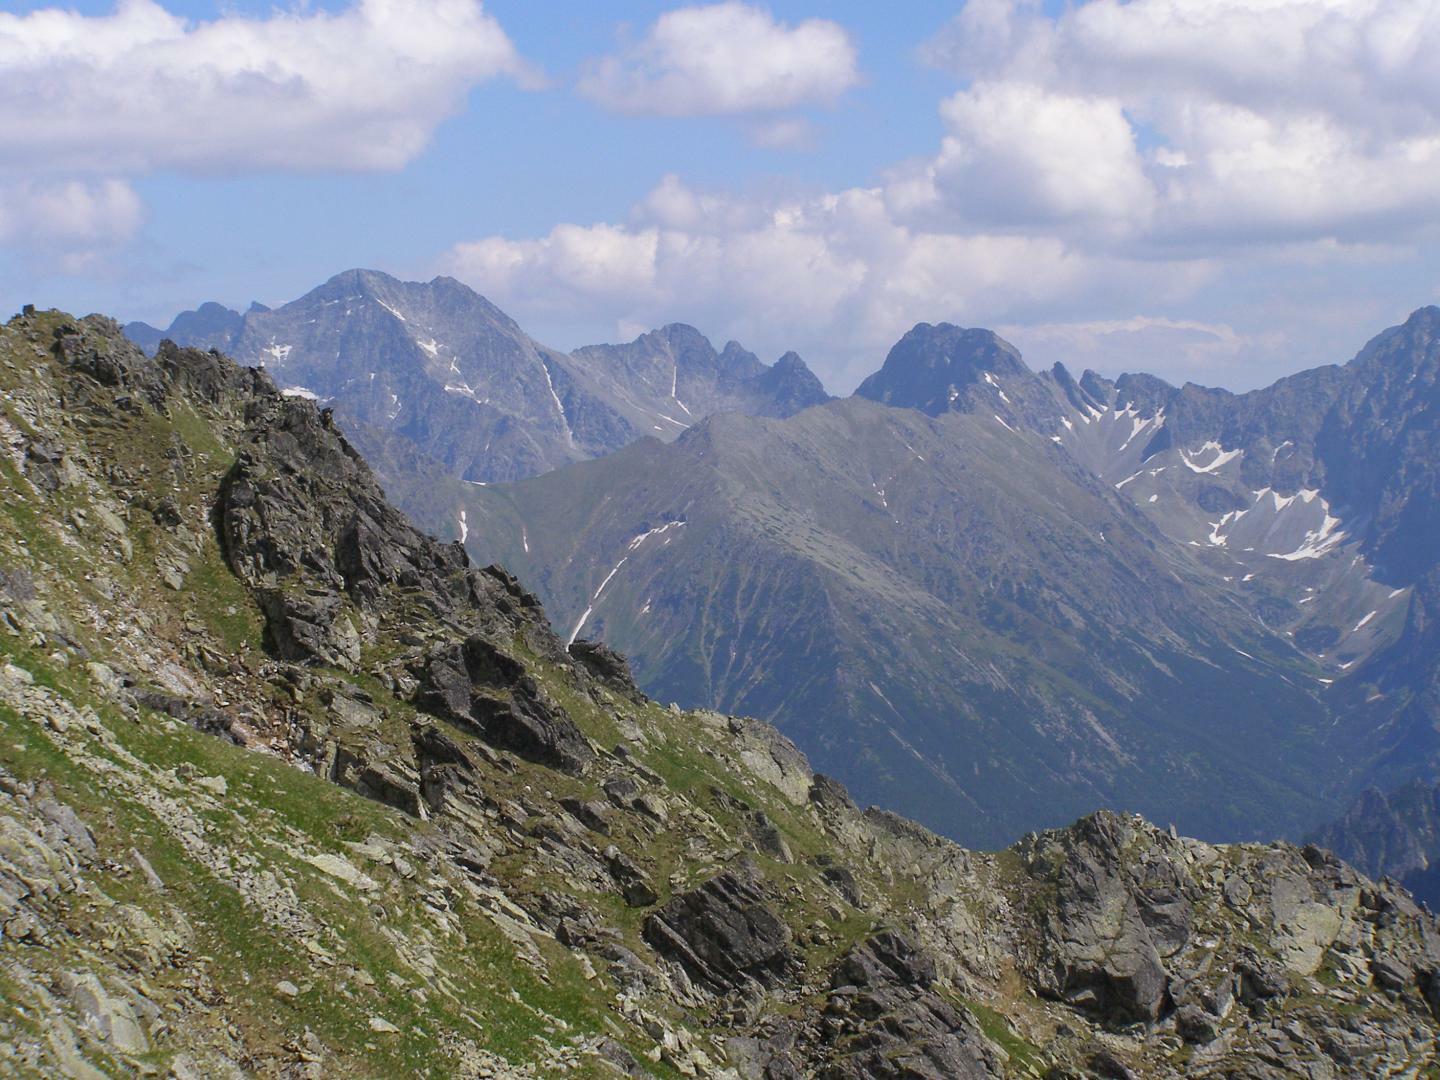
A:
x,y
933,367
789,386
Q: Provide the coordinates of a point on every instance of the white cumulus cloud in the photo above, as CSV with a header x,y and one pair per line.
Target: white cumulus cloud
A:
x,y
1019,151
143,89
92,100
1192,122
725,58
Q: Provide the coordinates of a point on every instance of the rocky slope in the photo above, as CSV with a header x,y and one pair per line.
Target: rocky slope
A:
x,y
1316,498
289,788
435,371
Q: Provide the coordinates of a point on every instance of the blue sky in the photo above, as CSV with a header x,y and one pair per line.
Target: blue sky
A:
x,y
1174,185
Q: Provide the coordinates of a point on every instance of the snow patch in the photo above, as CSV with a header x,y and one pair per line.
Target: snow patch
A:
x,y
658,531
629,550
390,309
431,346
674,386
1317,542
1359,625
1222,457
278,353
1139,425
1226,521
464,528
300,392
559,408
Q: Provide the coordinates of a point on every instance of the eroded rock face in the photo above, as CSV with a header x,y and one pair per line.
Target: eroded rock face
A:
x,y
882,1017
724,934
1109,932
1131,933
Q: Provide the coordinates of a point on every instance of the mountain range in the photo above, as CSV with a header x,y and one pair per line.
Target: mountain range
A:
x,y
988,597
290,788
437,369
1004,591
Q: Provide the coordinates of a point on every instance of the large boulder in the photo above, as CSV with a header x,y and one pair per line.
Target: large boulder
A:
x,y
481,688
1111,924
724,933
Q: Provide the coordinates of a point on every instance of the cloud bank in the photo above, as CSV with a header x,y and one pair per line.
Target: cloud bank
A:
x,y
1100,167
143,89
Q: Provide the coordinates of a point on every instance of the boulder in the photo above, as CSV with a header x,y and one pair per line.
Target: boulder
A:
x,y
724,933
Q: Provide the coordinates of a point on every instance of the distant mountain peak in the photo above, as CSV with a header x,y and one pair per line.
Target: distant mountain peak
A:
x,y
933,364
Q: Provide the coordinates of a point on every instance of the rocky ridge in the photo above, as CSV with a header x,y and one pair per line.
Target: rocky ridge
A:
x,y
290,788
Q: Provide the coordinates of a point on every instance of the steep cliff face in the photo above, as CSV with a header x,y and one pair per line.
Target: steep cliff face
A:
x,y
290,788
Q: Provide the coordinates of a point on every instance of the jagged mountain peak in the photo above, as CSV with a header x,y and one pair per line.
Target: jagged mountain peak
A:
x,y
446,295
1407,350
679,335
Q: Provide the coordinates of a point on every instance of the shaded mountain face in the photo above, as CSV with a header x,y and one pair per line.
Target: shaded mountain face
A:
x,y
210,326
674,377
1316,498
439,368
1395,835
289,787
982,583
